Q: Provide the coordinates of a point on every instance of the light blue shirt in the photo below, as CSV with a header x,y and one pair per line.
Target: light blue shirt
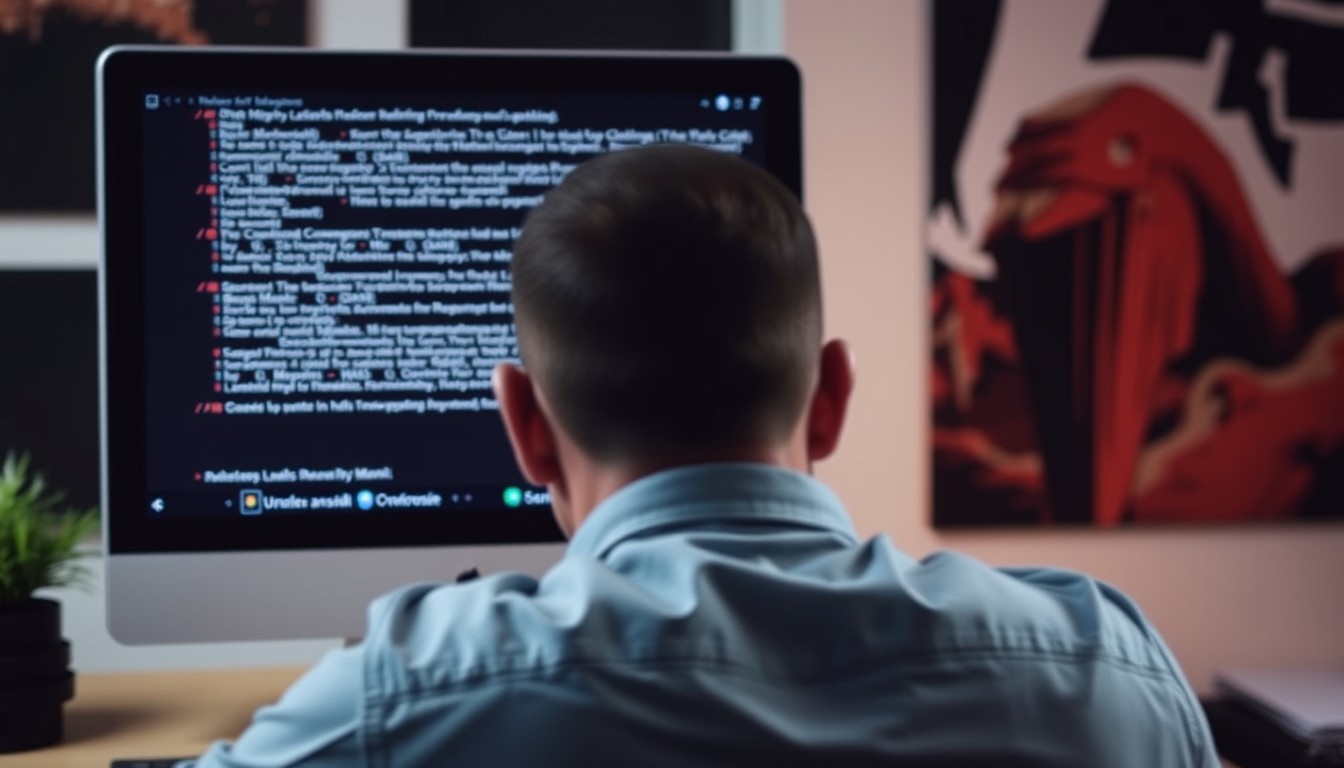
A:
x,y
728,615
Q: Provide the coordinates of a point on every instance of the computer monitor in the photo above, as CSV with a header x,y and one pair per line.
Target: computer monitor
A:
x,y
304,287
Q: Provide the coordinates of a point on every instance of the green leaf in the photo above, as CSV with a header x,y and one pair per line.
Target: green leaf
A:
x,y
39,546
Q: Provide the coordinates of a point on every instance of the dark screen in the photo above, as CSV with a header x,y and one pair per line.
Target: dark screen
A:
x,y
320,294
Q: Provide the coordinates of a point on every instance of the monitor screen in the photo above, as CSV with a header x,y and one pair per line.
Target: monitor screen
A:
x,y
305,288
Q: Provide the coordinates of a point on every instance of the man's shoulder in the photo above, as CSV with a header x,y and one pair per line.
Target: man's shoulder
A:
x,y
431,625
1059,649
1051,612
499,627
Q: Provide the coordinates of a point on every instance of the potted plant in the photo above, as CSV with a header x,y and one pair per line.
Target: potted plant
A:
x,y
38,548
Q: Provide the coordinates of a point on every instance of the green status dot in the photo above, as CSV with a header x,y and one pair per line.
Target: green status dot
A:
x,y
513,496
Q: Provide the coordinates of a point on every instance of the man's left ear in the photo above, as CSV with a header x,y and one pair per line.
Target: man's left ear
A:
x,y
830,402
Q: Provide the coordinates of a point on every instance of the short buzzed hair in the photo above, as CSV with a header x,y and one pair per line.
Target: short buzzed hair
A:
x,y
667,300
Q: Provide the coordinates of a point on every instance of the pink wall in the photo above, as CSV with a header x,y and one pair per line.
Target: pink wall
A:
x,y
1220,596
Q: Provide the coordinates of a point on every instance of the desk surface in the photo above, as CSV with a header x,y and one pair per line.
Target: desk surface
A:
x,y
154,714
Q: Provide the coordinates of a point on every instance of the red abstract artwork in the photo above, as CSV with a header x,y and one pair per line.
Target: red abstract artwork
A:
x,y
1120,342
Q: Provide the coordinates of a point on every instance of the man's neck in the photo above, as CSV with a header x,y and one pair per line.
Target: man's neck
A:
x,y
590,482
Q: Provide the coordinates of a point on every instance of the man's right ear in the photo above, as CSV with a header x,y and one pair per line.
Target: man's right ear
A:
x,y
530,433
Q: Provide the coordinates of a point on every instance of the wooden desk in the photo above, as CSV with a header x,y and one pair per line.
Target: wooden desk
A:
x,y
154,714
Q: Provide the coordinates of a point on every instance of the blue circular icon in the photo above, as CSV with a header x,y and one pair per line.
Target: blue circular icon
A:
x,y
722,102
364,499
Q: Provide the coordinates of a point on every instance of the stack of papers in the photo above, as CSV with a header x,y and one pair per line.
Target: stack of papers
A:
x,y
1307,702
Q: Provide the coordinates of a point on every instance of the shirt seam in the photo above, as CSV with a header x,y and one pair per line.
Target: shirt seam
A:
x,y
827,676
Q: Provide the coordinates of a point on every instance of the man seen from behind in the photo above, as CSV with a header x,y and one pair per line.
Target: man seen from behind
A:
x,y
714,606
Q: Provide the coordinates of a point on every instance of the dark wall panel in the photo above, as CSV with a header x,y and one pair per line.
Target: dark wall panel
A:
x,y
49,376
704,25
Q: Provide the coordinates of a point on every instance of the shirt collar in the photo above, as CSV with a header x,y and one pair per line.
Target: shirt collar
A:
x,y
710,493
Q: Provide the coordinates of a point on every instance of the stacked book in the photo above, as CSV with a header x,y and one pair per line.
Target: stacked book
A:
x,y
1306,703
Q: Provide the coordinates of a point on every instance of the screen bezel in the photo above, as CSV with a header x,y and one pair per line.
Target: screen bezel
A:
x,y
125,73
